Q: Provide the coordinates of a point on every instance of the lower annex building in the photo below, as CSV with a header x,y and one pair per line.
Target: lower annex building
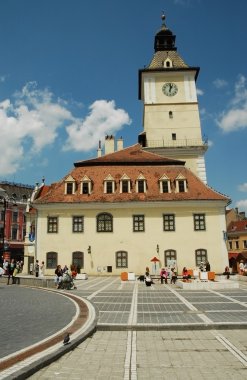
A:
x,y
116,212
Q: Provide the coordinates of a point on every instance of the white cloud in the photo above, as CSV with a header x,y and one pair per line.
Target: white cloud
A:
x,y
242,205
243,187
220,83
210,143
235,117
199,92
103,119
33,120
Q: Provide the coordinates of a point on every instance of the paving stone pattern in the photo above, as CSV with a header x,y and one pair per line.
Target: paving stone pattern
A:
x,y
161,332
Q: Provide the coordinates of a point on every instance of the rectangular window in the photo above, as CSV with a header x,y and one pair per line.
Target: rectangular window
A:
x,y
14,232
169,222
181,186
109,187
141,186
121,259
245,244
138,223
125,186
165,187
15,216
52,224
51,260
69,189
230,244
1,232
78,223
199,222
174,136
85,188
237,244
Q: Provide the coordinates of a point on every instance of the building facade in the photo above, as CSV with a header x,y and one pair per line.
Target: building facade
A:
x,y
236,238
116,212
13,202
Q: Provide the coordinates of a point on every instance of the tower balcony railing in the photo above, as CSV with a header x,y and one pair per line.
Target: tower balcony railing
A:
x,y
176,143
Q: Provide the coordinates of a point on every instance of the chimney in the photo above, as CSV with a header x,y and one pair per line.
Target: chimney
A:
x,y
242,215
120,144
99,150
109,144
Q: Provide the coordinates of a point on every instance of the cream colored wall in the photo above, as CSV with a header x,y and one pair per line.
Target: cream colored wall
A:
x,y
141,247
185,122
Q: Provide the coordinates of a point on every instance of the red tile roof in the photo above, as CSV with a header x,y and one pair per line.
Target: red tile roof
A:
x,y
238,226
129,156
132,162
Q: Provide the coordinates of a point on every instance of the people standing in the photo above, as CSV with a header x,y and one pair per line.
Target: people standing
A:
x,y
11,268
208,267
241,267
36,268
41,269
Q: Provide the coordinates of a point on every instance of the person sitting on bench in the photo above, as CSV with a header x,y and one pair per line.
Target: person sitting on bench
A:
x,y
185,274
227,272
148,280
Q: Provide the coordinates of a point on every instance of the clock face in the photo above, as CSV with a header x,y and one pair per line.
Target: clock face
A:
x,y
170,89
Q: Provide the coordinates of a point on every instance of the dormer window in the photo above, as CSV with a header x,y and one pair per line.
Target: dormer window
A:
x,y
86,185
70,185
109,185
167,63
69,188
141,184
165,184
181,184
125,184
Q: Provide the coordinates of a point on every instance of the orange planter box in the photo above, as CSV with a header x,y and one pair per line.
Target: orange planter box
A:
x,y
124,276
211,276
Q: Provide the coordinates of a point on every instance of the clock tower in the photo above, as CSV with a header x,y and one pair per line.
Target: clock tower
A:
x,y
171,119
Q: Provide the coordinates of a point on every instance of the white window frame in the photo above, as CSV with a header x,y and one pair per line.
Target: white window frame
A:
x,y
109,178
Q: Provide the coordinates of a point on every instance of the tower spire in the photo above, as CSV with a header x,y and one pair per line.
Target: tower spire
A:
x,y
164,39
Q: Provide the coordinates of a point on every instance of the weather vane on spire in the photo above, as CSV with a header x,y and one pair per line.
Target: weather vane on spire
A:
x,y
163,17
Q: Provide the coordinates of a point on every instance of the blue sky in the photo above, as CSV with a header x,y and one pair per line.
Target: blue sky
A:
x,y
69,76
